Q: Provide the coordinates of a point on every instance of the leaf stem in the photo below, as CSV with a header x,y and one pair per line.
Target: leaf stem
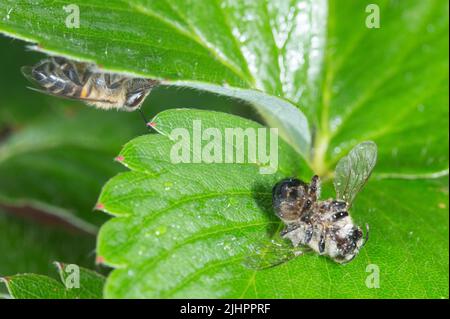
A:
x,y
323,136
318,163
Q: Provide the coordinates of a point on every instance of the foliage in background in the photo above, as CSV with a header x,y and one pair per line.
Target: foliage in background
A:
x,y
352,83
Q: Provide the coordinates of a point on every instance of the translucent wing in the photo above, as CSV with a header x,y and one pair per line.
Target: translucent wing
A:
x,y
353,171
27,72
68,97
270,253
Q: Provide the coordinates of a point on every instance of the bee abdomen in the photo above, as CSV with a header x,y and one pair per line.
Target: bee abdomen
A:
x,y
53,78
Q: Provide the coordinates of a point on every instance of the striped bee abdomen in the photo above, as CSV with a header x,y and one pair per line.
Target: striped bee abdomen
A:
x,y
56,76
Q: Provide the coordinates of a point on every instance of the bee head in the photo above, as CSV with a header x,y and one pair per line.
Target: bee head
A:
x,y
289,196
137,92
135,98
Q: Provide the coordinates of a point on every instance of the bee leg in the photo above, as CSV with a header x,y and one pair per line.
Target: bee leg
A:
x,y
322,244
338,205
295,233
308,234
288,229
314,187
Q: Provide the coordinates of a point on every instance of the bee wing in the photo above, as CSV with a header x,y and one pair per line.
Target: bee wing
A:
x,y
353,171
68,97
27,72
269,254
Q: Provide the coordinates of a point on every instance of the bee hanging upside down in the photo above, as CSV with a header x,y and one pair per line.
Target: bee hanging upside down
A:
x,y
80,81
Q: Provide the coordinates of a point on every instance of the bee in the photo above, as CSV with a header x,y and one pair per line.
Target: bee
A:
x,y
80,81
323,226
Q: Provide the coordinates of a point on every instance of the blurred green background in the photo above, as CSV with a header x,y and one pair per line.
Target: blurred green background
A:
x,y
55,155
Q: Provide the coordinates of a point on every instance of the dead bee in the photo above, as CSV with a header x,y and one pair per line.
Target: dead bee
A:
x,y
324,226
80,81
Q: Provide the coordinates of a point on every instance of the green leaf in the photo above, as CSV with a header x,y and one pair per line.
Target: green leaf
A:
x,y
216,201
77,283
388,85
31,286
252,46
185,230
202,260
